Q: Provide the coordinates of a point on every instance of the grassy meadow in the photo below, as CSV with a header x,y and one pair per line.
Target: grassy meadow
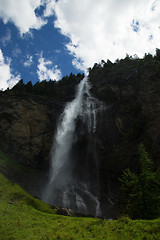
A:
x,y
24,217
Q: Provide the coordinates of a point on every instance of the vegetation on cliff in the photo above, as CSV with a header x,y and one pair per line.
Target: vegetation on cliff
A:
x,y
130,70
62,90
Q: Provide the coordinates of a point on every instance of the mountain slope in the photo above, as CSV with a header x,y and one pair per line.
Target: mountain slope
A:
x,y
23,217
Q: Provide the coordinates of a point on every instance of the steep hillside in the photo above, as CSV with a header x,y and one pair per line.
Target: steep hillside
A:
x,y
23,217
131,90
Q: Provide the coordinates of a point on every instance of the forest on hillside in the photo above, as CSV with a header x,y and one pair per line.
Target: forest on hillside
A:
x,y
58,90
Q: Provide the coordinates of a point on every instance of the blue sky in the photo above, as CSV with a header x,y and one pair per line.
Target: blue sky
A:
x,y
25,51
48,39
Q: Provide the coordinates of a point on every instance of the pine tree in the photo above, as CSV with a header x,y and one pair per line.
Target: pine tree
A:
x,y
142,189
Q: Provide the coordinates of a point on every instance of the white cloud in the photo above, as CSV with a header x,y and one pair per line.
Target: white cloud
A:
x,y
47,71
22,14
6,38
49,10
7,78
28,61
16,51
57,51
104,29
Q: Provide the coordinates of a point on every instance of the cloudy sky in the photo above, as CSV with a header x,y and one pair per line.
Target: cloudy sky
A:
x,y
48,39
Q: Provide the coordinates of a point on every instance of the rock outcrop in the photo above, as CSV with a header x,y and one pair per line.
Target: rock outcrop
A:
x,y
27,124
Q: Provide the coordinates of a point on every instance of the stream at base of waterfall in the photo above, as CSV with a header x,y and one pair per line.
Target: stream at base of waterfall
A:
x,y
74,172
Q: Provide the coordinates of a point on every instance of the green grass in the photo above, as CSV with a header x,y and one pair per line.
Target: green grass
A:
x,y
24,217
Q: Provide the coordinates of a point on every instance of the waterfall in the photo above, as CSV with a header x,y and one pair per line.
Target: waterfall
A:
x,y
73,184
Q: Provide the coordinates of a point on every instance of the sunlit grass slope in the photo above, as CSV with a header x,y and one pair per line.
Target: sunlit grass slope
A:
x,y
24,217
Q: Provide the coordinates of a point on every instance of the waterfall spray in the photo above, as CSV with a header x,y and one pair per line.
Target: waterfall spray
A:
x,y
64,187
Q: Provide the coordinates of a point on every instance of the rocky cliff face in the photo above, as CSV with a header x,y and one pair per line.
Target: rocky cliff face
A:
x,y
130,89
28,117
26,127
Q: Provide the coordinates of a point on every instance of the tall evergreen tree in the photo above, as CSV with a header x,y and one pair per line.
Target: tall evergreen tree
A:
x,y
142,189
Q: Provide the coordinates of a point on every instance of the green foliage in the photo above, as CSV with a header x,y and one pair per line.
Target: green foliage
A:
x,y
107,95
142,189
60,90
157,56
123,71
20,86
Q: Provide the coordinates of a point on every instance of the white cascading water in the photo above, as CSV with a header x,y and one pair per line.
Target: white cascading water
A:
x,y
64,188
